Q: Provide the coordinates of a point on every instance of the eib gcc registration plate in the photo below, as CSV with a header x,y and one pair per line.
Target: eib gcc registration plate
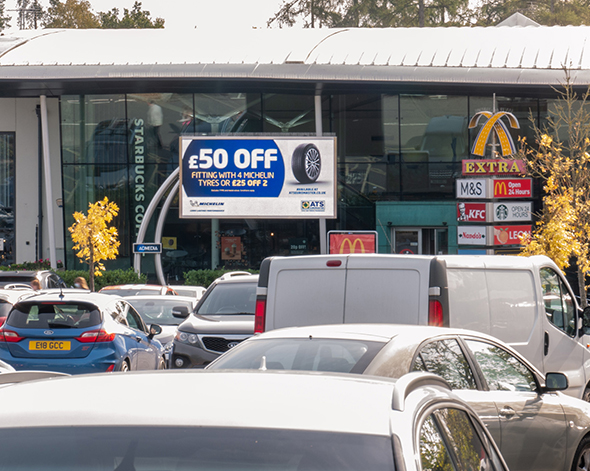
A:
x,y
50,345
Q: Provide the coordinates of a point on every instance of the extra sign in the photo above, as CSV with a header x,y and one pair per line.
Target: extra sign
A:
x,y
257,177
493,167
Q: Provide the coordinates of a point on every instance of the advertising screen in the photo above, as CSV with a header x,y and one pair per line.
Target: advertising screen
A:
x,y
257,177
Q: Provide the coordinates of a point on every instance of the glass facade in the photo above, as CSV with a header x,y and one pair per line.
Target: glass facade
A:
x,y
7,142
390,148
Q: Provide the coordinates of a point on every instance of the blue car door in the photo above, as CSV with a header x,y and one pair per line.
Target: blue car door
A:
x,y
146,351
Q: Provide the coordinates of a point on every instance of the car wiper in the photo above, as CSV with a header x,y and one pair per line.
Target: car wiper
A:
x,y
59,325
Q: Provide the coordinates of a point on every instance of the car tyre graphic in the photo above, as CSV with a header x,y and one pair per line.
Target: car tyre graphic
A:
x,y
306,163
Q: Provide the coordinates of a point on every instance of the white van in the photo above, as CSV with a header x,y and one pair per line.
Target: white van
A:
x,y
524,301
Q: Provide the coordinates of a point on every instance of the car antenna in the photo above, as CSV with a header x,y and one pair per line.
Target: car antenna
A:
x,y
262,366
61,292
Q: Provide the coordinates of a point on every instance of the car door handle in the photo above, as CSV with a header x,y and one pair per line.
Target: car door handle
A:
x,y
507,412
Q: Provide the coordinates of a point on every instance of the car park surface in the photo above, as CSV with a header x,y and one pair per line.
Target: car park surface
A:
x,y
223,318
534,426
76,331
137,289
311,422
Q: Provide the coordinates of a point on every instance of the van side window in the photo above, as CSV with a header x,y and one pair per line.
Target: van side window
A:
x,y
559,305
445,358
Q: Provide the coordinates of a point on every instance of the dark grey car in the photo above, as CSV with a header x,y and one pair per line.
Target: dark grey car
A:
x,y
223,318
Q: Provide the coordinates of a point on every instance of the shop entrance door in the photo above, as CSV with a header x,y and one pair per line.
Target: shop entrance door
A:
x,y
427,241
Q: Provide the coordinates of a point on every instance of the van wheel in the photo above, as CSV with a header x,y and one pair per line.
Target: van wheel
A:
x,y
582,459
586,395
306,163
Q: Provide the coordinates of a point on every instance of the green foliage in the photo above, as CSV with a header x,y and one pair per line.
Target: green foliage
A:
x,y
205,277
70,14
31,266
136,18
117,277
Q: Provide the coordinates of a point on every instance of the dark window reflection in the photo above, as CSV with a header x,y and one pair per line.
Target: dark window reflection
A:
x,y
7,198
446,359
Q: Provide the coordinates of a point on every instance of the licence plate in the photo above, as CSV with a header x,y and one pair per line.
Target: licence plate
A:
x,y
52,345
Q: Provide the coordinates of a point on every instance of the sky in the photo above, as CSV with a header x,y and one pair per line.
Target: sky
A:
x,y
188,14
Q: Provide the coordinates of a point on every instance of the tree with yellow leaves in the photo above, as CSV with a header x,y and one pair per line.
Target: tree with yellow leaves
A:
x,y
562,161
93,239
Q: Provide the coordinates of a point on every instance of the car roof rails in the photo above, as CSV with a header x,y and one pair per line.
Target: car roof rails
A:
x,y
14,377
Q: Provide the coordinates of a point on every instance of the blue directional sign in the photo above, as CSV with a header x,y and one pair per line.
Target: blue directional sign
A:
x,y
147,248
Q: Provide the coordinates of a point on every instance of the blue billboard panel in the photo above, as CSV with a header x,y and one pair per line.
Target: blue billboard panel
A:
x,y
243,177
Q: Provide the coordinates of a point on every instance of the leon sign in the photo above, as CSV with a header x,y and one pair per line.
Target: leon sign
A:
x,y
510,235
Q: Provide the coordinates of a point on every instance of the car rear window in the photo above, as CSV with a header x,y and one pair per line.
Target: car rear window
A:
x,y
192,448
53,315
229,298
8,280
159,311
309,354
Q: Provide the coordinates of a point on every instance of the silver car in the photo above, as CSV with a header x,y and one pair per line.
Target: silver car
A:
x,y
223,318
243,421
534,426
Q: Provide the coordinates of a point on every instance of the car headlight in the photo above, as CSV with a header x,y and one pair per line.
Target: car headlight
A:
x,y
187,338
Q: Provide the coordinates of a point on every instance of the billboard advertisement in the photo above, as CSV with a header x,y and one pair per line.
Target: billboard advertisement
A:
x,y
352,242
512,211
513,188
472,235
257,177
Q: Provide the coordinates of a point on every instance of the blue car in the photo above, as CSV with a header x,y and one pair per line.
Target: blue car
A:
x,y
76,331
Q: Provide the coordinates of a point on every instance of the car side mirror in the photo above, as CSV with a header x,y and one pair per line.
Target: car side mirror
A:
x,y
180,311
556,382
155,329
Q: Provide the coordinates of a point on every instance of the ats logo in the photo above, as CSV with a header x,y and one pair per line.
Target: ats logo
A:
x,y
313,206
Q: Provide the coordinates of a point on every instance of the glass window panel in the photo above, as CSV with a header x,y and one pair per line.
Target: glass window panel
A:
x,y
434,454
227,113
446,359
289,113
434,140
502,371
93,129
559,305
7,141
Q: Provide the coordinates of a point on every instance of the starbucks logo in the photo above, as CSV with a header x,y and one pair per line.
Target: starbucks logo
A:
x,y
502,212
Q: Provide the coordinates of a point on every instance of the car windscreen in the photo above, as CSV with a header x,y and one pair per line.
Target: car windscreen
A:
x,y
159,311
308,354
191,448
229,298
53,315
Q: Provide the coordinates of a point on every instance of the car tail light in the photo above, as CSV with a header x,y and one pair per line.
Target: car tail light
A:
x,y
2,320
92,336
111,368
260,314
435,313
9,336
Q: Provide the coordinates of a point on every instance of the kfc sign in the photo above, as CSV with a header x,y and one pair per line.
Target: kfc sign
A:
x,y
510,235
471,212
513,188
472,235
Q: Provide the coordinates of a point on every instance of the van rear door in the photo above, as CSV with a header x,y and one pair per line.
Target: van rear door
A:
x,y
387,288
306,290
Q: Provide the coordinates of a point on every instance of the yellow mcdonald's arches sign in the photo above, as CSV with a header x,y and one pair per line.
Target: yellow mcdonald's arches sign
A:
x,y
360,242
495,124
500,188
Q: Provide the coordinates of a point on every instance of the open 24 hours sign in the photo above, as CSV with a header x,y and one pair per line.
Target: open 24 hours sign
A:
x,y
257,177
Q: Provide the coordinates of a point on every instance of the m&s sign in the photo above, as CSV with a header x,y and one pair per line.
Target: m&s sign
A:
x,y
352,242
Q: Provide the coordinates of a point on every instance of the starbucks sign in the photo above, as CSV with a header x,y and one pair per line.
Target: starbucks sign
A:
x,y
512,211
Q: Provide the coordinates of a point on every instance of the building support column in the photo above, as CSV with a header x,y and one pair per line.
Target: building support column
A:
x,y
48,187
319,132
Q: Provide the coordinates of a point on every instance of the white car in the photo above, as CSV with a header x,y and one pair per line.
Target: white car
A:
x,y
244,421
187,290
